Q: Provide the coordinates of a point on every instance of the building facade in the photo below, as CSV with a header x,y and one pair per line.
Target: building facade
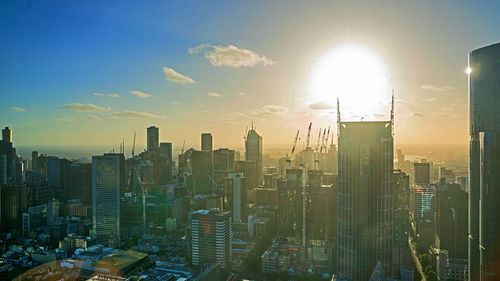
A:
x,y
484,168
107,183
211,237
365,199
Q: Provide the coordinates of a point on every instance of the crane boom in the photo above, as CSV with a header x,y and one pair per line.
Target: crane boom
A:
x,y
327,137
319,137
295,142
308,135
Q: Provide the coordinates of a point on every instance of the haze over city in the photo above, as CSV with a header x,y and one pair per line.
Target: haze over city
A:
x,y
90,74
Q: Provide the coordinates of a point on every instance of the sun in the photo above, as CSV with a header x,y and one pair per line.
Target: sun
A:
x,y
354,73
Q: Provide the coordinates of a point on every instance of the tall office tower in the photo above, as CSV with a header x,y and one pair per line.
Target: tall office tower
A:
x,y
451,223
165,162
206,142
253,151
108,181
55,176
223,164
290,204
250,170
202,171
484,169
235,195
3,169
421,173
7,134
365,198
320,210
78,182
153,138
6,148
211,237
38,191
12,206
401,257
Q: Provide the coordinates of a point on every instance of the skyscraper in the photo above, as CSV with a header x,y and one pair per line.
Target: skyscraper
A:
x,y
206,142
211,237
484,169
6,149
422,173
253,151
365,198
153,138
107,183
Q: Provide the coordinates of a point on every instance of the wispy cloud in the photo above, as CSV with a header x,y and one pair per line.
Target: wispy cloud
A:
x,y
110,95
81,118
272,109
241,93
85,107
214,95
321,105
176,77
140,94
431,99
175,102
19,109
134,114
230,56
436,89
417,114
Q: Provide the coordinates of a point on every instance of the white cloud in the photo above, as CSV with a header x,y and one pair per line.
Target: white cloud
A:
x,y
81,118
176,77
431,99
230,56
140,94
214,95
436,89
19,109
111,95
321,105
272,109
134,114
241,93
85,107
175,102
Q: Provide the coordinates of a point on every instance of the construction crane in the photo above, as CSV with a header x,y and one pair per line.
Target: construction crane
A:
x,y
183,145
326,140
288,159
133,147
319,137
323,138
308,135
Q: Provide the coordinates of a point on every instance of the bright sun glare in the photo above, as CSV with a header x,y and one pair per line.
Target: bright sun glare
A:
x,y
357,75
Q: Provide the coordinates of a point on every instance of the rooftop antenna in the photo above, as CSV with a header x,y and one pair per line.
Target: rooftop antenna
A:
x,y
392,112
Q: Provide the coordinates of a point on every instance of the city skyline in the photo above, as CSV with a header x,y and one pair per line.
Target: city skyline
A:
x,y
108,72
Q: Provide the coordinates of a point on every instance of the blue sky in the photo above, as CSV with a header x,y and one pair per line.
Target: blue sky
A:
x,y
57,53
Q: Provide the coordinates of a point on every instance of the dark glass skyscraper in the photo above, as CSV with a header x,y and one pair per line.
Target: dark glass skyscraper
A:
x,y
484,169
365,199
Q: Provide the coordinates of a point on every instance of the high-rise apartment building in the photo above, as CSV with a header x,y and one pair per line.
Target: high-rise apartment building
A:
x,y
484,169
108,181
153,138
211,237
365,197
